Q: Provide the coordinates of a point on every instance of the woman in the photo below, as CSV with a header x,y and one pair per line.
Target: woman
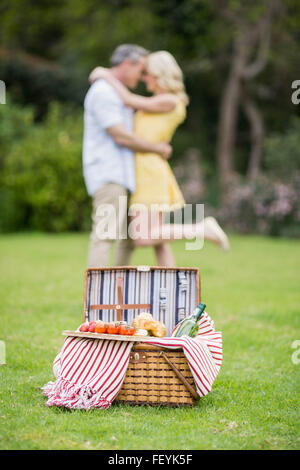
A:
x,y
156,120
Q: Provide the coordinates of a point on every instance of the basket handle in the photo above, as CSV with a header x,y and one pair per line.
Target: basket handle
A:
x,y
119,307
181,377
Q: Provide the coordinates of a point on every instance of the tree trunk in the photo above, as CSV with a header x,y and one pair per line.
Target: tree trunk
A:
x,y
256,134
228,118
250,39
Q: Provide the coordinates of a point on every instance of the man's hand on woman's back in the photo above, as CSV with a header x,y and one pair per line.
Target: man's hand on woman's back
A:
x,y
127,139
164,150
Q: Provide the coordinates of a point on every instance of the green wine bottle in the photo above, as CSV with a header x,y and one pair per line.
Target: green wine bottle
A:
x,y
189,326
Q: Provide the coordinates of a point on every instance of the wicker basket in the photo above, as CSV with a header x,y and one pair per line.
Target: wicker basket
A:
x,y
157,376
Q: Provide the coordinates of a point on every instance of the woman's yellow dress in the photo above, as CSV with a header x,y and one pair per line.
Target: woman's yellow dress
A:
x,y
155,181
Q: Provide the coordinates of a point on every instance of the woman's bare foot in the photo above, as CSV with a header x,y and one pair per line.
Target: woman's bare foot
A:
x,y
213,232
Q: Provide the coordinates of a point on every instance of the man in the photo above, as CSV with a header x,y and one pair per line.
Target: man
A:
x,y
108,153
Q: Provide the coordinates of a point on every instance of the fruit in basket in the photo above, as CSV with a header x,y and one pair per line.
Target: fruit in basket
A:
x,y
92,326
126,330
84,327
131,331
123,329
112,328
100,327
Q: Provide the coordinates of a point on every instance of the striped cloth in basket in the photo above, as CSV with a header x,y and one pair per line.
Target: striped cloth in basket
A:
x,y
90,372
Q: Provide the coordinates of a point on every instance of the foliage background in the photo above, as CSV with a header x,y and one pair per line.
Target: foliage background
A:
x,y
47,51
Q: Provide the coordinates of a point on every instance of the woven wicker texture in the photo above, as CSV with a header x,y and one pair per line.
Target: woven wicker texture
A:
x,y
151,380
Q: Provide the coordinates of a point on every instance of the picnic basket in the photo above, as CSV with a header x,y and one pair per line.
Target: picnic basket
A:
x,y
155,375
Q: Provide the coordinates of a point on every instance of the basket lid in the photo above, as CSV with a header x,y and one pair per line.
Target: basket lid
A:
x,y
169,294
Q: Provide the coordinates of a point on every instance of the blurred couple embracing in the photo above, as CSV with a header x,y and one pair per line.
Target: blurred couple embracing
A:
x,y
126,147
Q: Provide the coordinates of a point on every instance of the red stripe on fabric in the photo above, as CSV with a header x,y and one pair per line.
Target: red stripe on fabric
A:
x,y
204,370
112,367
68,365
202,373
109,361
57,359
190,358
65,368
197,380
65,356
86,354
170,343
102,346
115,368
64,353
117,387
197,348
69,341
120,382
205,361
109,347
211,345
85,363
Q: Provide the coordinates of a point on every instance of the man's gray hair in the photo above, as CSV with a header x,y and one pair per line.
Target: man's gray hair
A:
x,y
133,52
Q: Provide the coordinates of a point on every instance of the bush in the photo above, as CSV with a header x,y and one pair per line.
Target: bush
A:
x,y
282,152
30,79
264,206
42,183
270,204
15,124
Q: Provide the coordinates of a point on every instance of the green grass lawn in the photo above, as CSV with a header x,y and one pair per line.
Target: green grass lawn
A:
x,y
252,293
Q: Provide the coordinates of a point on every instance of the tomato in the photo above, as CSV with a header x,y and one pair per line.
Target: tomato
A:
x,y
100,327
113,328
131,330
84,327
122,330
126,330
92,325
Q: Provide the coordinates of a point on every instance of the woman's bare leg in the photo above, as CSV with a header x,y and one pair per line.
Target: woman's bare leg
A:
x,y
208,228
164,255
152,230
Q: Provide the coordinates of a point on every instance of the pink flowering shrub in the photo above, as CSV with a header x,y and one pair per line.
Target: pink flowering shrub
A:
x,y
270,204
265,206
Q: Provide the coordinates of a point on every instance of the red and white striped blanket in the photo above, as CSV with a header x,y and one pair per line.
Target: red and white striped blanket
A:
x,y
90,372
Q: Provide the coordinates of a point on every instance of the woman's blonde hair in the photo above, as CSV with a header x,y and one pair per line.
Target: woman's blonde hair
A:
x,y
163,66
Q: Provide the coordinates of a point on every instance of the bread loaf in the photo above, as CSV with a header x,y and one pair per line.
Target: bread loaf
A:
x,y
158,329
145,321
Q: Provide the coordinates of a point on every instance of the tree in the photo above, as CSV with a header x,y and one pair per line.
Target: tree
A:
x,y
251,26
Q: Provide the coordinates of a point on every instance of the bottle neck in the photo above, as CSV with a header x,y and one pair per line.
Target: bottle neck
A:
x,y
198,311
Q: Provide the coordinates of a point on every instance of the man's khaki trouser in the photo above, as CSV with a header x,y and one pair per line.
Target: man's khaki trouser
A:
x,y
99,249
